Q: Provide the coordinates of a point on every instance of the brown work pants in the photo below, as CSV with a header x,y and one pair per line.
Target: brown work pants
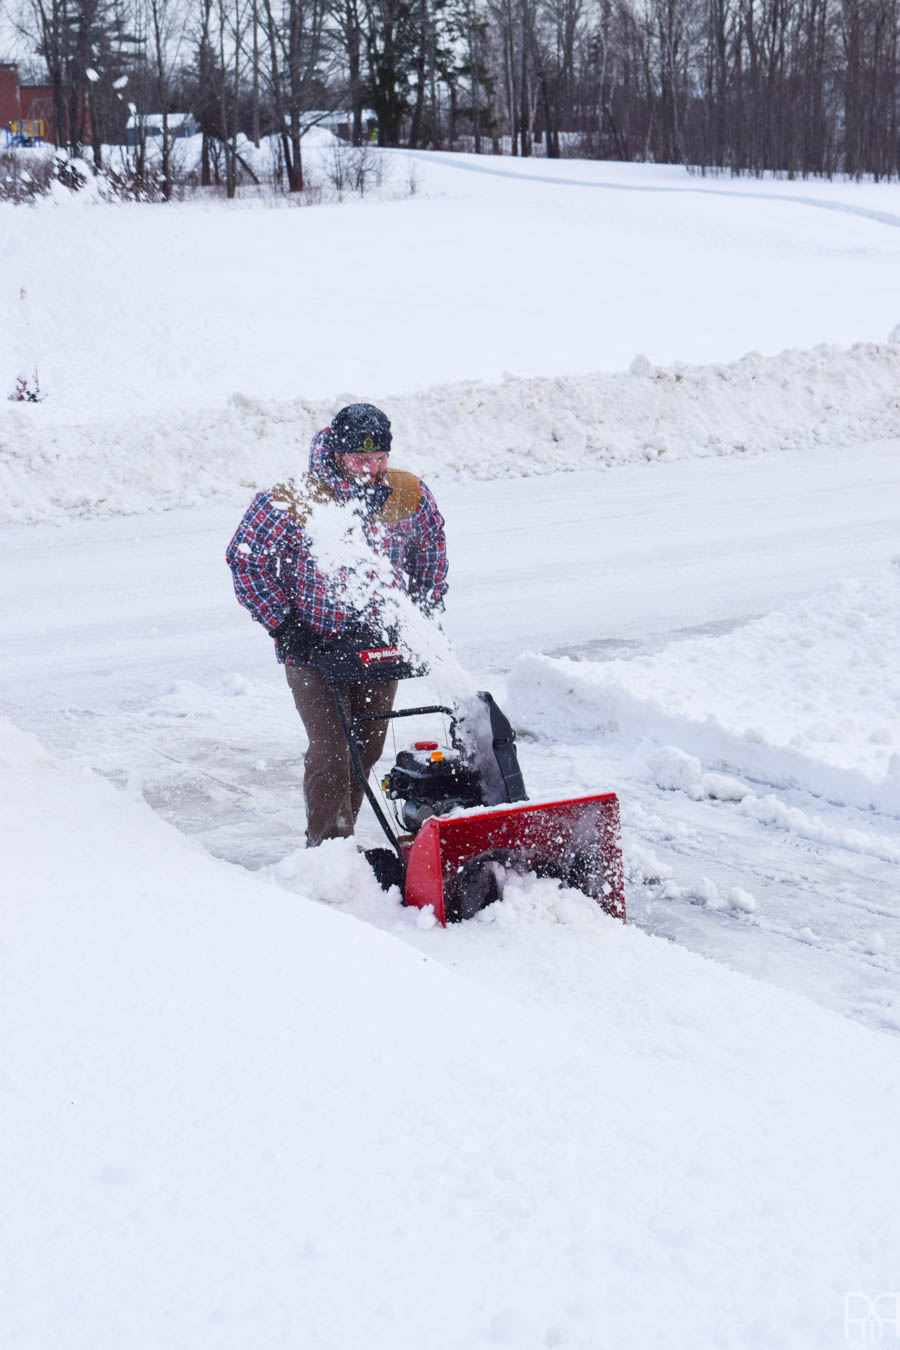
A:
x,y
331,789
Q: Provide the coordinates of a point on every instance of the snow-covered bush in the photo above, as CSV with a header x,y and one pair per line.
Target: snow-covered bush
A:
x,y
24,177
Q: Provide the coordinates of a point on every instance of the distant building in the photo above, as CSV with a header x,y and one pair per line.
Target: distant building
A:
x,y
340,122
180,125
27,113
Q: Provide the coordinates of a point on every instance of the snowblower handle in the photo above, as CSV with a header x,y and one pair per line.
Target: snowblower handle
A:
x,y
364,657
399,712
356,759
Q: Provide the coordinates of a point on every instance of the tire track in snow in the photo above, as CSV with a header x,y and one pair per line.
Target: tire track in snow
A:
x,y
810,894
845,208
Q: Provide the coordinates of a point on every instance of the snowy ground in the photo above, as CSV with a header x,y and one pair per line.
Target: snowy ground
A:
x,y
481,273
238,1117
241,1116
515,325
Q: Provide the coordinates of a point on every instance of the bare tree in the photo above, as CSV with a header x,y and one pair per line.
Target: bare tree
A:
x,y
298,42
790,86
348,15
166,27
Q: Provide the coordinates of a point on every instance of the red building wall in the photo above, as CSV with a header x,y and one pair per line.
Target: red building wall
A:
x,y
33,102
10,109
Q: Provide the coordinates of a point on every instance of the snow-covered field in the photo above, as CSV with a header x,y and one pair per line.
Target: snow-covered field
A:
x,y
250,1100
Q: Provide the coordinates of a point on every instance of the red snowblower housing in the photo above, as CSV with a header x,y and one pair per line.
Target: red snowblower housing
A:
x,y
462,819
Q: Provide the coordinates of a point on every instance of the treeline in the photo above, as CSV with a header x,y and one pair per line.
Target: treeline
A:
x,y
795,86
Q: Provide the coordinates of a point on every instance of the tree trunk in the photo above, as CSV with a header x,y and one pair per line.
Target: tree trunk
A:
x,y
354,67
416,123
166,171
256,137
295,172
96,143
526,110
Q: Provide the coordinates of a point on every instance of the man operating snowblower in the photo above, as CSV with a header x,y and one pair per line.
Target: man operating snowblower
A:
x,y
323,559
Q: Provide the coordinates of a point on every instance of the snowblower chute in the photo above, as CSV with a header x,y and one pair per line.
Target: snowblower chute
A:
x,y
463,821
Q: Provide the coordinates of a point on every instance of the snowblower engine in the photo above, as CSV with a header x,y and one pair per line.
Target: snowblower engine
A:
x,y
481,768
431,780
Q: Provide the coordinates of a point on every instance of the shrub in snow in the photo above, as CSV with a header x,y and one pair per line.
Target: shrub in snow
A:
x,y
23,177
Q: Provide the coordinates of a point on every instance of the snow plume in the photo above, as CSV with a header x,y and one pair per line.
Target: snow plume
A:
x,y
369,586
53,465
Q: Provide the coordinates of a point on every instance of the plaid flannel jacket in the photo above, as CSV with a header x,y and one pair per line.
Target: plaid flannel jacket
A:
x,y
275,572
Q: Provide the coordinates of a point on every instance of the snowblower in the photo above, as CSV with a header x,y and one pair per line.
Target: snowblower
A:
x,y
462,819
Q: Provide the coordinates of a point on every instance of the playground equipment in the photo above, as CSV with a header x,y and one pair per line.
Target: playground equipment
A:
x,y
24,133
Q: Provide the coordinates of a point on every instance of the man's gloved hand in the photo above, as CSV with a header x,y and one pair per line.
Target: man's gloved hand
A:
x,y
296,639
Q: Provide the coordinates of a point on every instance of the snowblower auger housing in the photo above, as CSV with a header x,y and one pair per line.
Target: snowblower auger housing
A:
x,y
459,864
464,822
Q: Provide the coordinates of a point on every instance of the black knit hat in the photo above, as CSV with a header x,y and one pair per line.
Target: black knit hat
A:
x,y
360,428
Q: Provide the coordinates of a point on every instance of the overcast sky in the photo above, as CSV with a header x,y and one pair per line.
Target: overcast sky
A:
x,y
13,47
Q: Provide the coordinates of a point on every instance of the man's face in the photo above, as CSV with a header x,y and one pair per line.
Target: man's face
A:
x,y
363,466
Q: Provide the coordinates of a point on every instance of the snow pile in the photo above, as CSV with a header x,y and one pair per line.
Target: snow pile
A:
x,y
673,769
227,1106
50,468
805,697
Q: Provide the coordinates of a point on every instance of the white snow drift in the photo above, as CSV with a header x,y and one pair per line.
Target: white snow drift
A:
x,y
51,467
237,1118
806,697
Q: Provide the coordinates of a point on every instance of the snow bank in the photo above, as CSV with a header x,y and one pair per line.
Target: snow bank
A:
x,y
235,1117
51,468
196,347
806,697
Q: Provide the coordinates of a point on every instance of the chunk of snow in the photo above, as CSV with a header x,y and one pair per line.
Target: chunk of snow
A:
x,y
641,865
674,770
333,873
724,787
738,898
707,891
